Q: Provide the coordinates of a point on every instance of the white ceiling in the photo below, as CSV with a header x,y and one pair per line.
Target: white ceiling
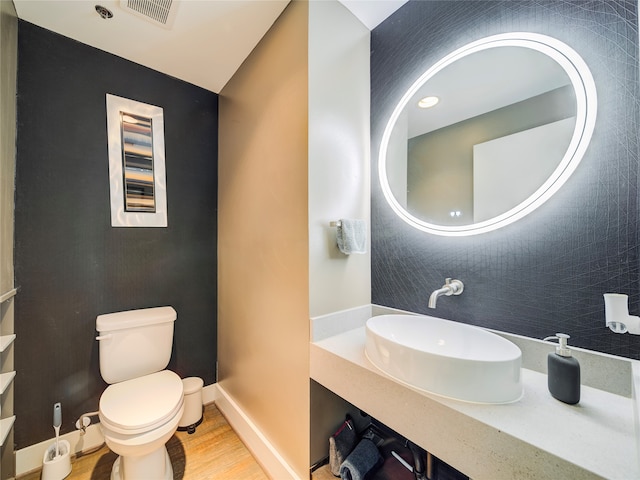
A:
x,y
207,42
372,12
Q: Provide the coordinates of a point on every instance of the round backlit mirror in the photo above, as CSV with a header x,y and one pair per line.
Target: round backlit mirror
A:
x,y
488,134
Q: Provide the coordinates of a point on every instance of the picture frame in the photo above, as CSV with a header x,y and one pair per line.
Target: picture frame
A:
x,y
137,174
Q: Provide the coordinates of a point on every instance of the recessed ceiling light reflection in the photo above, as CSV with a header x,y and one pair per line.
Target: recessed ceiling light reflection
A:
x,y
428,102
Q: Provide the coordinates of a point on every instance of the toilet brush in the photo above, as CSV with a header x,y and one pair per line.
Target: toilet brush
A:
x,y
57,421
56,460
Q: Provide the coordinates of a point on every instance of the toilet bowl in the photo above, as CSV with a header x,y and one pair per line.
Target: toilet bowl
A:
x,y
138,430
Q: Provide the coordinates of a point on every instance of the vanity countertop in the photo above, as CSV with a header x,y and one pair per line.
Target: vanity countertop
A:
x,y
536,437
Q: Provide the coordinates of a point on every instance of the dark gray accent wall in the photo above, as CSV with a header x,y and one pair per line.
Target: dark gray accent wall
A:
x,y
546,273
71,265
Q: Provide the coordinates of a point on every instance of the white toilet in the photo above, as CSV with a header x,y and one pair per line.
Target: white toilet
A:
x,y
141,408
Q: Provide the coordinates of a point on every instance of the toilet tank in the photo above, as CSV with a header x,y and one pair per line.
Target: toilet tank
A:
x,y
134,343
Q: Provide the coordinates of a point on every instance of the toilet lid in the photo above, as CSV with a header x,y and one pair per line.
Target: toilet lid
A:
x,y
157,398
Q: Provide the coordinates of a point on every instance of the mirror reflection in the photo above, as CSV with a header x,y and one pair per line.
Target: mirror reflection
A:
x,y
491,129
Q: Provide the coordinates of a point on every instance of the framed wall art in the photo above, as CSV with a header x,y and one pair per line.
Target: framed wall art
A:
x,y
137,178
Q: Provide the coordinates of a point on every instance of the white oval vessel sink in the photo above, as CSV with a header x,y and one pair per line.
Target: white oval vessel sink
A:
x,y
446,358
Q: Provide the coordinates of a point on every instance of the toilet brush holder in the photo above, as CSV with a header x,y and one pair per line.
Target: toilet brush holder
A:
x,y
57,467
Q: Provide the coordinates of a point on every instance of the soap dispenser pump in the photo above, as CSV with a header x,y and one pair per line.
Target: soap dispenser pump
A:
x,y
563,372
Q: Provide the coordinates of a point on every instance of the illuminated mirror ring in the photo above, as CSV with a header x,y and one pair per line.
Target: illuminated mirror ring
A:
x,y
586,109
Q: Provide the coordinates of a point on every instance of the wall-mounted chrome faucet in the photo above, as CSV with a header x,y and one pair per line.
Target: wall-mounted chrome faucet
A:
x,y
450,287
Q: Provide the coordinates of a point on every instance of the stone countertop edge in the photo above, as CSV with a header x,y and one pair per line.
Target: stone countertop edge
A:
x,y
537,437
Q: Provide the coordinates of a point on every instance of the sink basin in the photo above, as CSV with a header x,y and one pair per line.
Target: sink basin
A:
x,y
446,358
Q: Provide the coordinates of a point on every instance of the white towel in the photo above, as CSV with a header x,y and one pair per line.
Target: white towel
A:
x,y
352,236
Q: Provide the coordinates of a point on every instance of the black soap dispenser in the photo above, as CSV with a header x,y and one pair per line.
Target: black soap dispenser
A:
x,y
563,372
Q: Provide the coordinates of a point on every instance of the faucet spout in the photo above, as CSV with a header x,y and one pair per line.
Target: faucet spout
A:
x,y
450,287
438,293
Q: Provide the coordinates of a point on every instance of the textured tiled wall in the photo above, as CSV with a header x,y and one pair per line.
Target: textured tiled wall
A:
x,y
546,273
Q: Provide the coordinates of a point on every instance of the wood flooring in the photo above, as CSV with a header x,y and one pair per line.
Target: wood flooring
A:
x,y
213,452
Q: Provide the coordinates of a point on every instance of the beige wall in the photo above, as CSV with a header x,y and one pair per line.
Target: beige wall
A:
x,y
263,264
8,71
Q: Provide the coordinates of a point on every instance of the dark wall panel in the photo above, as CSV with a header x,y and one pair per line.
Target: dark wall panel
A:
x,y
71,265
547,272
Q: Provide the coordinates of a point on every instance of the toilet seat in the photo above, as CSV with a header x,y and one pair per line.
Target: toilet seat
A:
x,y
158,398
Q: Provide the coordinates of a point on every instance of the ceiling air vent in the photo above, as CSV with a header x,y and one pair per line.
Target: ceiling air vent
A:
x,y
158,12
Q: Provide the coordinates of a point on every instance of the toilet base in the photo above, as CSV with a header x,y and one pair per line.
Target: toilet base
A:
x,y
154,466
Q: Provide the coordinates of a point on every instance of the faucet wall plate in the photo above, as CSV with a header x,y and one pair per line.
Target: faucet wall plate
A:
x,y
456,286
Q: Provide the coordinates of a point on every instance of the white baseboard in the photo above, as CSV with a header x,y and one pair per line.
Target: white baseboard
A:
x,y
264,452
30,458
210,394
